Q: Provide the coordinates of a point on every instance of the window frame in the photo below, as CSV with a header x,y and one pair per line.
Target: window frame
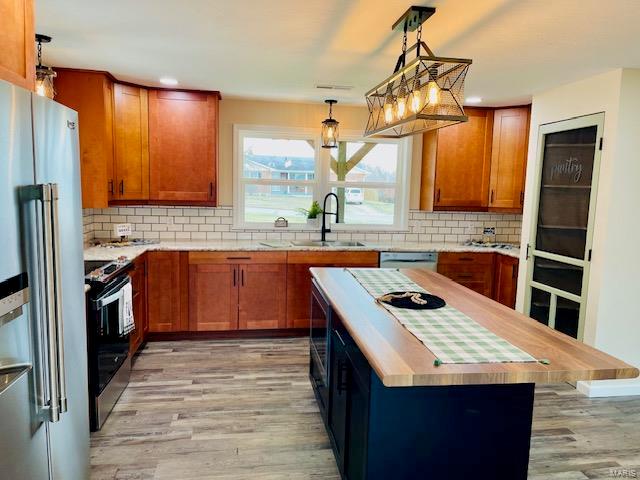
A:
x,y
321,184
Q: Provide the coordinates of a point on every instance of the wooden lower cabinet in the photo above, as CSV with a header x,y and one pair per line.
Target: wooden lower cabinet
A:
x,y
506,280
213,297
473,270
262,296
139,284
493,275
164,292
299,278
237,290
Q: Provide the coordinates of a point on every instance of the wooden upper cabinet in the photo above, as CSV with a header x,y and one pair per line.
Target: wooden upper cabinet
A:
x,y
131,140
164,289
17,38
91,95
262,296
509,159
463,161
183,130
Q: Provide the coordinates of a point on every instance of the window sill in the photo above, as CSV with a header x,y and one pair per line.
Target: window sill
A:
x,y
334,228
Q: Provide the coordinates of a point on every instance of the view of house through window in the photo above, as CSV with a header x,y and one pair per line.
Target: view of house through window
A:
x,y
279,177
282,174
363,175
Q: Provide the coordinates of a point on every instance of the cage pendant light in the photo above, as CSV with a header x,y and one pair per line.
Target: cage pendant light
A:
x,y
423,94
44,74
330,128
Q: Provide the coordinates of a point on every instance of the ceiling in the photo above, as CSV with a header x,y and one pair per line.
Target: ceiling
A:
x,y
282,49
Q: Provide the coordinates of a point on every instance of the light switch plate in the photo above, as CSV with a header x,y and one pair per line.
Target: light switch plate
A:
x,y
122,229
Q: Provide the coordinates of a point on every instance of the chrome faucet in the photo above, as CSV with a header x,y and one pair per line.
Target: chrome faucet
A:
x,y
325,230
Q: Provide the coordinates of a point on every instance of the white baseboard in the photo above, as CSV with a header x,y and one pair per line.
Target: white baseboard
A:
x,y
609,388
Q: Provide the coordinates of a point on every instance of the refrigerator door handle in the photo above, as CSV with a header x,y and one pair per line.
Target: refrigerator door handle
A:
x,y
49,403
62,384
50,304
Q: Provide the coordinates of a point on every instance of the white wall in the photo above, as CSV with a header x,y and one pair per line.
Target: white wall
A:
x,y
612,321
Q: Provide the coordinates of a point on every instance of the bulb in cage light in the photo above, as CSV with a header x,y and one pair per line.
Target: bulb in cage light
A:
x,y
388,109
402,99
416,97
433,93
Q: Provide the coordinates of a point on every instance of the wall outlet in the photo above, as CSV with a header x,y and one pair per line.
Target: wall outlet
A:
x,y
489,231
122,229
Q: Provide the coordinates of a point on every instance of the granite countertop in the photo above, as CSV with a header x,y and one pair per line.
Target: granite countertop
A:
x,y
131,252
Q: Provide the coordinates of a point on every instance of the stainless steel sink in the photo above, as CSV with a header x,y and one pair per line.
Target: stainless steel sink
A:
x,y
319,243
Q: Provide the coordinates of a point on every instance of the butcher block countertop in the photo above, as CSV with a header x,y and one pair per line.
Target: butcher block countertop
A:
x,y
400,359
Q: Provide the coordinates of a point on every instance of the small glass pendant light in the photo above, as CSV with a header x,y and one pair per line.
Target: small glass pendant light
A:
x,y
44,74
330,128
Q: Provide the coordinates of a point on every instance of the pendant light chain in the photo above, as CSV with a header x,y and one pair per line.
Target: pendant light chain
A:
x,y
39,53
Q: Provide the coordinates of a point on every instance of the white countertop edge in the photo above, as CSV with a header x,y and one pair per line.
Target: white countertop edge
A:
x,y
131,252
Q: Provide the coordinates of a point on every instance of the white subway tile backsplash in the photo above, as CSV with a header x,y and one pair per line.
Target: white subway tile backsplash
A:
x,y
199,223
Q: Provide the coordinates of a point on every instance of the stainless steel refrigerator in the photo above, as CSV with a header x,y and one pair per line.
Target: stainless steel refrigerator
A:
x,y
44,428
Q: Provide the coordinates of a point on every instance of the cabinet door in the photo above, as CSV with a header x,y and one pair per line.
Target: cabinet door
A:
x,y
338,392
463,163
163,291
131,140
139,284
357,414
299,278
213,297
91,95
509,158
182,146
17,62
262,296
506,280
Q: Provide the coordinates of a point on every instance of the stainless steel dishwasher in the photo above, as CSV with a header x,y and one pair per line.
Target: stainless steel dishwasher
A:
x,y
426,260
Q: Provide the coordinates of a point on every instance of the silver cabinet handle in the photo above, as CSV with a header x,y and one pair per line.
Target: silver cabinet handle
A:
x,y
50,304
62,383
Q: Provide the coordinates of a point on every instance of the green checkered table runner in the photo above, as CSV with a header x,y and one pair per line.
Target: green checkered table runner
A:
x,y
452,336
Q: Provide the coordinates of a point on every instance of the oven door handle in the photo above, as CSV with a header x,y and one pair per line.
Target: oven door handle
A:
x,y
102,302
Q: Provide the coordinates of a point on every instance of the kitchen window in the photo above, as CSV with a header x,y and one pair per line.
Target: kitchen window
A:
x,y
279,172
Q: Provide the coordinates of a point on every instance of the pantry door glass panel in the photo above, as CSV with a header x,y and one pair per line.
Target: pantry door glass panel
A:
x,y
560,253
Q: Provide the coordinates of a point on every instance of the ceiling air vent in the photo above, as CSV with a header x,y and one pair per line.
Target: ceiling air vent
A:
x,y
334,87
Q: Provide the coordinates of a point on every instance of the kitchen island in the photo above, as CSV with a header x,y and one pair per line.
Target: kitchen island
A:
x,y
392,411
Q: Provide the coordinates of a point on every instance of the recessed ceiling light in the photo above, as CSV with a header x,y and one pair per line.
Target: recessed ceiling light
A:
x,y
473,100
168,81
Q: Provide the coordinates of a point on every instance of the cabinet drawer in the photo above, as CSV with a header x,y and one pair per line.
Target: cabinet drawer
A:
x,y
477,277
465,258
473,273
236,258
352,258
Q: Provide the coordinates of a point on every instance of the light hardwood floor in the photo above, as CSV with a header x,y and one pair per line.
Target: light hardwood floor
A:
x,y
245,410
